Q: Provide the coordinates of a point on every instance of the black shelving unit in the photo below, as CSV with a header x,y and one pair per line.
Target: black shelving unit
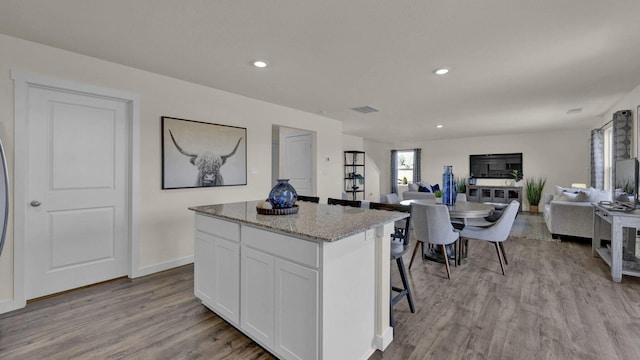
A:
x,y
354,174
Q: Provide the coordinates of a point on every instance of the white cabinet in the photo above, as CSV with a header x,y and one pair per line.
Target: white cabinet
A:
x,y
279,296
296,311
203,267
257,295
217,266
299,299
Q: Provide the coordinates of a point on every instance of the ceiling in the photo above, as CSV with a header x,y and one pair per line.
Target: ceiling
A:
x,y
516,65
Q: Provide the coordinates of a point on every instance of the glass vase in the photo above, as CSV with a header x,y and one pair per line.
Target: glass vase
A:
x,y
448,186
283,195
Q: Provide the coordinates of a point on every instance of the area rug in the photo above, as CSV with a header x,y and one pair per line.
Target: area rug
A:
x,y
531,226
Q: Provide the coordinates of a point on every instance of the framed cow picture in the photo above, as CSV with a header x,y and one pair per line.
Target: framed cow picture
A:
x,y
199,154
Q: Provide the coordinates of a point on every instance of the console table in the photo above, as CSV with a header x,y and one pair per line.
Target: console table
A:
x,y
613,254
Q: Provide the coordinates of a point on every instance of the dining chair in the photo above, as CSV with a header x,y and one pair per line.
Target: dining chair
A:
x,y
432,225
391,198
497,233
313,199
353,203
399,246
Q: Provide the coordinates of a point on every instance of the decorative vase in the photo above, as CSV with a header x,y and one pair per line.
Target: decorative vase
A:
x,y
448,186
283,195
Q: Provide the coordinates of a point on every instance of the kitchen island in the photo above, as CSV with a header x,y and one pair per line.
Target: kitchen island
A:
x,y
311,285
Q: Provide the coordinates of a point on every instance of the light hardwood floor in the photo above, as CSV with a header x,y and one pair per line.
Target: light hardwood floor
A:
x,y
555,302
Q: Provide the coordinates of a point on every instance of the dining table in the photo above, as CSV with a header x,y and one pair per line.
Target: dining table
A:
x,y
463,211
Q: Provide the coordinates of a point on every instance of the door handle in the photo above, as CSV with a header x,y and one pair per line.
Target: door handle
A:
x,y
35,203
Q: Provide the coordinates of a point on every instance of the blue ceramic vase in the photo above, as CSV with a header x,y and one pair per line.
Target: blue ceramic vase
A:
x,y
283,195
448,186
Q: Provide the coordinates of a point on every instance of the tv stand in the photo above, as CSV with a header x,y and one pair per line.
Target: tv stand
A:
x,y
494,194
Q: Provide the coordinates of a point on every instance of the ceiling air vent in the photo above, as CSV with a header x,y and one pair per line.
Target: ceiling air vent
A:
x,y
365,109
574,111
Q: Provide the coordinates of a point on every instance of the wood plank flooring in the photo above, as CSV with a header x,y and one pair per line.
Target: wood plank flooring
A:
x,y
555,302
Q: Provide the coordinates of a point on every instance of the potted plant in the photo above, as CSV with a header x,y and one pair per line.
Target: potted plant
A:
x,y
534,186
517,176
438,194
461,185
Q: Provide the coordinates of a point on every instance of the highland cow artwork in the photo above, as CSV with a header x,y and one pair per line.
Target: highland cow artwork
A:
x,y
199,154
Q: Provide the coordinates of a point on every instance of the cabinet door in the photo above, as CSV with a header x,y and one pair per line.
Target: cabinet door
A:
x,y
257,301
486,195
296,311
217,275
203,268
473,194
499,196
226,279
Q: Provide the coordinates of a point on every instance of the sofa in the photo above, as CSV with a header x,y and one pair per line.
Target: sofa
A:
x,y
569,211
414,192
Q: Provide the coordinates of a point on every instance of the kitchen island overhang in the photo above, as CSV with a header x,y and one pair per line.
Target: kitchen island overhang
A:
x,y
311,285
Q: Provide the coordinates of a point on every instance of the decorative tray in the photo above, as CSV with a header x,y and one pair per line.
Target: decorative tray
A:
x,y
285,211
617,206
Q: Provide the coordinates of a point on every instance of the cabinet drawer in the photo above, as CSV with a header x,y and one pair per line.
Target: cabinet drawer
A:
x,y
297,250
224,229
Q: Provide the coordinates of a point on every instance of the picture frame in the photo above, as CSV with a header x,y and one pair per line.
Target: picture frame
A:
x,y
198,154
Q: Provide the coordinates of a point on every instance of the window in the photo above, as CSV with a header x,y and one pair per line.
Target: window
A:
x,y
405,165
608,157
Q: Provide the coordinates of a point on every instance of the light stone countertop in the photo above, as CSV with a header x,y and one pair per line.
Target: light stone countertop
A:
x,y
313,221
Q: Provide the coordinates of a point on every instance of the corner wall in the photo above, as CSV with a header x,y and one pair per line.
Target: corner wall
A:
x,y
166,226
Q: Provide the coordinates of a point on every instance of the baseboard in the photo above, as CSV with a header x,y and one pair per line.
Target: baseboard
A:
x,y
11,305
151,269
383,340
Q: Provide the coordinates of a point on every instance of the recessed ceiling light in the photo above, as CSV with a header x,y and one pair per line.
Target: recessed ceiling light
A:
x,y
260,63
441,71
439,126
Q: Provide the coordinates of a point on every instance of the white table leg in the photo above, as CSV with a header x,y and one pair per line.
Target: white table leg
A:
x,y
616,249
595,236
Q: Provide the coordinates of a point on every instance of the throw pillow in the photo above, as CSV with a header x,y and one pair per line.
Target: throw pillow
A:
x,y
571,196
423,189
435,188
413,187
426,185
582,197
564,197
558,190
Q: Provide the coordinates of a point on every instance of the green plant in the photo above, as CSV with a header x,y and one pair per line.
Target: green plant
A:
x,y
461,185
516,175
626,186
438,193
534,190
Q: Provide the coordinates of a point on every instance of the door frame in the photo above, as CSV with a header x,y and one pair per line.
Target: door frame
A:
x,y
22,82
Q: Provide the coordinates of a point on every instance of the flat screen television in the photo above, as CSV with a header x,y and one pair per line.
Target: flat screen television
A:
x,y
494,166
626,179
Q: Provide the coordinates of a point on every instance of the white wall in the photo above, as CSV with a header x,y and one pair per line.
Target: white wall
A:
x,y
560,156
166,226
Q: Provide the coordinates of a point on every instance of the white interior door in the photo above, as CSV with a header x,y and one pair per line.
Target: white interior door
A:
x,y
298,163
77,230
